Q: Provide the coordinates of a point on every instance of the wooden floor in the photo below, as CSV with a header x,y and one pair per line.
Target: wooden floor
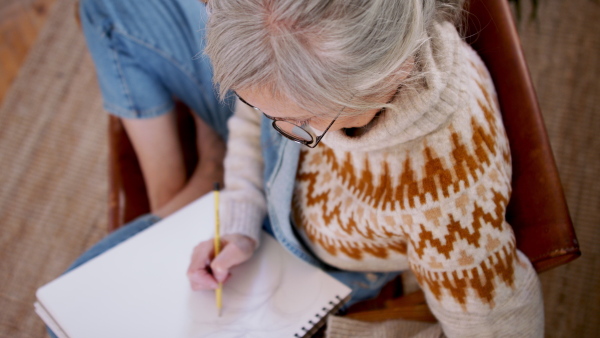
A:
x,y
20,23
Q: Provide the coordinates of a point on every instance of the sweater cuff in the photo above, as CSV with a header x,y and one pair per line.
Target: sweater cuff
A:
x,y
242,218
341,327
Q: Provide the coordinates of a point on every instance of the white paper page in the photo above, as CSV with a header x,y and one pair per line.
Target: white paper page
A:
x,y
41,312
140,288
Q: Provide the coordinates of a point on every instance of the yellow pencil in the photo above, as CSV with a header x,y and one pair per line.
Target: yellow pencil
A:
x,y
219,290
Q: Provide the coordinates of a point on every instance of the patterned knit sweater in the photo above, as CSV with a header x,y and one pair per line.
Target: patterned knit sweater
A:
x,y
427,190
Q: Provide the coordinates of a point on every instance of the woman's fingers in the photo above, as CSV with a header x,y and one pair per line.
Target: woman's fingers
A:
x,y
202,280
205,273
237,249
199,276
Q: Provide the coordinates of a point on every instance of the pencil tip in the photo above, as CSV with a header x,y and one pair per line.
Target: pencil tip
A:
x,y
216,186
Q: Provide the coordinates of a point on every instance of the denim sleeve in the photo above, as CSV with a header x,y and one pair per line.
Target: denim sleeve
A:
x,y
130,88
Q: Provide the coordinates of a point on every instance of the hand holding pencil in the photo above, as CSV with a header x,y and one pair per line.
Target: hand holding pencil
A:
x,y
213,259
206,270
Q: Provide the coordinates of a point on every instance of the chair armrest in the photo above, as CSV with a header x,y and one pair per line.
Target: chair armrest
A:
x,y
127,190
537,210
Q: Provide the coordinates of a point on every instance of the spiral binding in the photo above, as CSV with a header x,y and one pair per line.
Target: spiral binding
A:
x,y
320,318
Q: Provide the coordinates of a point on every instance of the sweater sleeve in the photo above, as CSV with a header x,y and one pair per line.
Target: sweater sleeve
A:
x,y
517,312
243,202
476,282
461,249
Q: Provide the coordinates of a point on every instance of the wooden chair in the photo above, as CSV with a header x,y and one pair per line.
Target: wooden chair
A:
x,y
537,210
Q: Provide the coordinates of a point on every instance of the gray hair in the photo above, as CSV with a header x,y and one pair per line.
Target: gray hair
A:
x,y
323,54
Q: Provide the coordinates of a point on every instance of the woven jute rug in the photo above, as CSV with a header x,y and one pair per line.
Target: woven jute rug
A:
x,y
53,161
53,169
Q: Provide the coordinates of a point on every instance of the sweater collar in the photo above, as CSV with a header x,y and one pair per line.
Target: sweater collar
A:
x,y
425,106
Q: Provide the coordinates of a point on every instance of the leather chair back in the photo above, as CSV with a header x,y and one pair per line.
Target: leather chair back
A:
x,y
537,210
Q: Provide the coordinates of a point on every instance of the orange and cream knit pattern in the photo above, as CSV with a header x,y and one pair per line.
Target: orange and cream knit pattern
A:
x,y
427,190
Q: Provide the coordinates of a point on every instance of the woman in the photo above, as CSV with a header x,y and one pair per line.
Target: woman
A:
x,y
400,162
413,171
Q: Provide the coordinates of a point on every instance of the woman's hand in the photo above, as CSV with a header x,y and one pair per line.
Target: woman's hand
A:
x,y
206,271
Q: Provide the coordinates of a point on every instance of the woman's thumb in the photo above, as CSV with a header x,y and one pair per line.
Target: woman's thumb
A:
x,y
231,256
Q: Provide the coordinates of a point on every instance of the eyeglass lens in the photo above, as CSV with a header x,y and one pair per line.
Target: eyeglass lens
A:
x,y
294,131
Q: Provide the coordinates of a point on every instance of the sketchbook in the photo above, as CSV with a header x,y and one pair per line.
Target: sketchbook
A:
x,y
140,289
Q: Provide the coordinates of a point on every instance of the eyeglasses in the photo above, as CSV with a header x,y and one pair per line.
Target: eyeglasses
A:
x,y
299,132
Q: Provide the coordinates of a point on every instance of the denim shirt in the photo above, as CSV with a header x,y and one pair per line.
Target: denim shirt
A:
x,y
281,162
281,158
